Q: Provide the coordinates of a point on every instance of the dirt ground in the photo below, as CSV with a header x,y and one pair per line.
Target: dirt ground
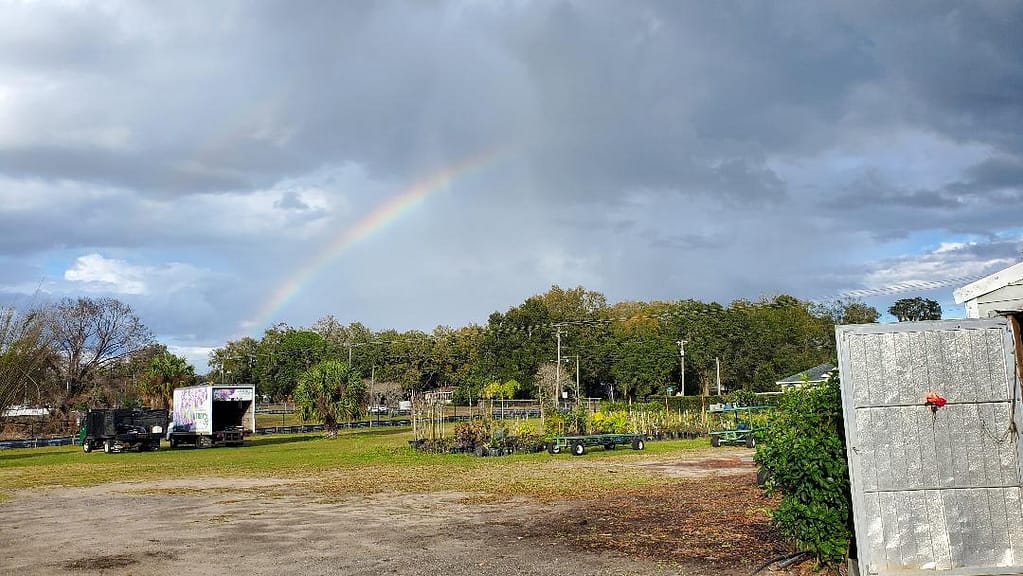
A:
x,y
713,520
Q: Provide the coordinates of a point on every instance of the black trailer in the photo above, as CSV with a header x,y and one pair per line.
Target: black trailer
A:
x,y
116,430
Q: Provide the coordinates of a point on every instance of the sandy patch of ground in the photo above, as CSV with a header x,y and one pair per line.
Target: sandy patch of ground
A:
x,y
260,526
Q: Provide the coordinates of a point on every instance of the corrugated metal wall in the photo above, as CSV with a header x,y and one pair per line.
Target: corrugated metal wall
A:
x,y
933,491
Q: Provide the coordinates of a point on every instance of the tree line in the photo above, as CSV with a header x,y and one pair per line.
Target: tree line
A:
x,y
626,349
84,352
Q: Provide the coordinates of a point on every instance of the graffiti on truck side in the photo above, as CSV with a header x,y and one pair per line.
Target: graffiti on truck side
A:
x,y
190,414
233,394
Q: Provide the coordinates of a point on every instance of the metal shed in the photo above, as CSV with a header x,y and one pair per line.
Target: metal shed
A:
x,y
934,490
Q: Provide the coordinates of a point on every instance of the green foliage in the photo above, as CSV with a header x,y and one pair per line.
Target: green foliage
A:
x,y
165,372
803,450
505,391
576,420
554,424
331,391
283,355
24,353
235,362
610,423
915,309
743,397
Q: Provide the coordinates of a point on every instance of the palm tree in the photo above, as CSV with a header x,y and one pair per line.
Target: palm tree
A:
x,y
166,372
331,391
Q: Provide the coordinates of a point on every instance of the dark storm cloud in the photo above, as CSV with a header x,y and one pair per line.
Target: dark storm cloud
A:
x,y
648,149
992,175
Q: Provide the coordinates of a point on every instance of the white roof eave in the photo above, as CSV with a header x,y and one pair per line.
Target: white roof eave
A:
x,y
999,279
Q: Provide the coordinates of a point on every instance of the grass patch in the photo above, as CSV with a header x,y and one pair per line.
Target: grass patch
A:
x,y
356,463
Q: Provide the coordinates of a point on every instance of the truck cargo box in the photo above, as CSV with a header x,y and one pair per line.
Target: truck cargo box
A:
x,y
213,414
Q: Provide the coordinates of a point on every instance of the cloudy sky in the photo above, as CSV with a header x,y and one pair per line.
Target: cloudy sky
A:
x,y
222,166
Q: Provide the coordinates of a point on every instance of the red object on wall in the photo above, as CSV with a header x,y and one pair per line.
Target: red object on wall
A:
x,y
935,401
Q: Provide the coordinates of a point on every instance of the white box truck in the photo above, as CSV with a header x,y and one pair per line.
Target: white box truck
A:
x,y
213,415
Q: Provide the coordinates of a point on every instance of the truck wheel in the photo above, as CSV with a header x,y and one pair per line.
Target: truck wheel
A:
x,y
637,444
86,446
173,443
108,446
578,449
205,442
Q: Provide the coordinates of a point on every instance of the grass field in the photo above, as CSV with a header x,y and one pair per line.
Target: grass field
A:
x,y
357,462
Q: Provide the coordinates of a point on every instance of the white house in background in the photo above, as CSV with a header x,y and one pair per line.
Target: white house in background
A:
x,y
815,375
991,296
25,411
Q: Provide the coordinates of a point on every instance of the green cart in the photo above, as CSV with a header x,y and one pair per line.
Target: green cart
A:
x,y
741,428
579,444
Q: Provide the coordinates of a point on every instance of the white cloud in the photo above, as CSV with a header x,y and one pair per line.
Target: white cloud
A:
x,y
95,273
197,356
99,274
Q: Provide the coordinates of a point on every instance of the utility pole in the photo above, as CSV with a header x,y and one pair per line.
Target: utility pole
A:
x,y
577,394
577,378
717,365
557,374
682,363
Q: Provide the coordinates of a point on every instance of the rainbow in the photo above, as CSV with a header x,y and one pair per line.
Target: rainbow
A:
x,y
385,213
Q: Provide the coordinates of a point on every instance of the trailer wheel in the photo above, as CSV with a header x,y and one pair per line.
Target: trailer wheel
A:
x,y
609,446
205,442
638,444
86,445
108,446
751,441
715,440
553,448
578,449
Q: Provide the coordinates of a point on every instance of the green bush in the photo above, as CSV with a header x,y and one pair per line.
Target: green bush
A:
x,y
576,420
803,451
744,397
610,423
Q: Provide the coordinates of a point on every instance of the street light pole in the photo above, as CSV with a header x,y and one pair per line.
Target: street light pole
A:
x,y
682,363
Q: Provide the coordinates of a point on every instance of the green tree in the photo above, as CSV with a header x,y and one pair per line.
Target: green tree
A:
x,y
283,355
519,341
642,356
165,372
24,355
774,337
915,309
847,311
235,362
331,391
